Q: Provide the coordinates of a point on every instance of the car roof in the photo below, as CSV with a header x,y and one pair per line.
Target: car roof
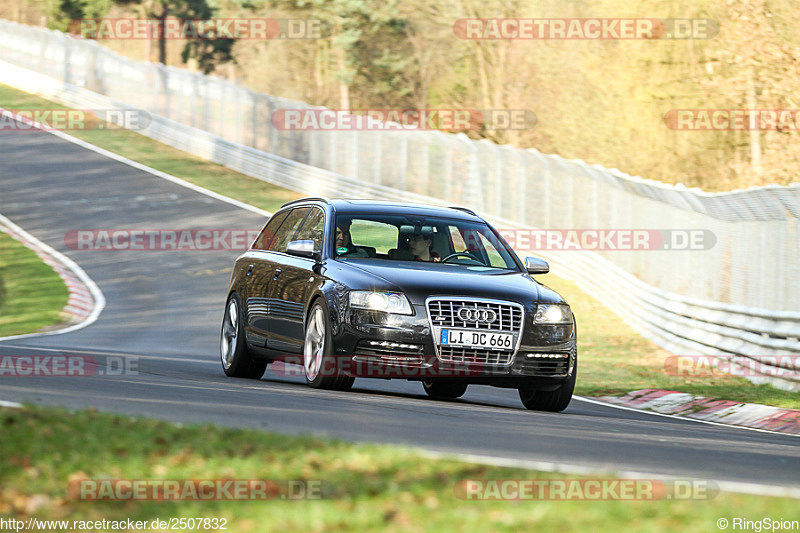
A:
x,y
359,206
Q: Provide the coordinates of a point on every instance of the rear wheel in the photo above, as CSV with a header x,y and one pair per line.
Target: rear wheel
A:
x,y
553,401
236,360
318,360
444,388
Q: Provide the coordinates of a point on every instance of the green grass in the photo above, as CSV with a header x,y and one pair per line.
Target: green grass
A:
x,y
367,487
614,359
27,306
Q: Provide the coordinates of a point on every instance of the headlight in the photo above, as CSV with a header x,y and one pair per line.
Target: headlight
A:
x,y
388,302
553,314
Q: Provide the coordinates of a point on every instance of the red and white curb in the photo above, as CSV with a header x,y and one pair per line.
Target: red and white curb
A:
x,y
85,302
681,404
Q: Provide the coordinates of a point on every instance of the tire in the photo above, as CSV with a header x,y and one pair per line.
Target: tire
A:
x,y
234,356
552,401
318,352
444,388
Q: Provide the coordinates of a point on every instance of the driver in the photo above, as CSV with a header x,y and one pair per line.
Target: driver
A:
x,y
344,241
420,246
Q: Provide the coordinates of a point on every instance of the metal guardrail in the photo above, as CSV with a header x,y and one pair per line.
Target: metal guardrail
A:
x,y
739,299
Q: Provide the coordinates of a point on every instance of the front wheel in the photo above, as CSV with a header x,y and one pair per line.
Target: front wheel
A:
x,y
236,360
444,389
319,362
553,401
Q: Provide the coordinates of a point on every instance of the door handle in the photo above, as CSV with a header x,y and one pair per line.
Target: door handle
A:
x,y
250,269
277,273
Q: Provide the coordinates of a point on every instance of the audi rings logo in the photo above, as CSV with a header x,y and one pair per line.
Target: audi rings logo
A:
x,y
473,314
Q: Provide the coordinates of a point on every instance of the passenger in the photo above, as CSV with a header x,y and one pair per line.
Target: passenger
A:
x,y
420,246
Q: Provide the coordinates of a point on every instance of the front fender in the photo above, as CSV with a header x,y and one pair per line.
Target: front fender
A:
x,y
335,296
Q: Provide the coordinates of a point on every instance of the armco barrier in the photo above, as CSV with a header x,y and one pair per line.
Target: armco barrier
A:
x,y
739,297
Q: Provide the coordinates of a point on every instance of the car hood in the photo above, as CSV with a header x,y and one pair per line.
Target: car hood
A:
x,y
419,281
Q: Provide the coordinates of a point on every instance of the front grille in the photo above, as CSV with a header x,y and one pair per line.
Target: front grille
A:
x,y
443,313
542,364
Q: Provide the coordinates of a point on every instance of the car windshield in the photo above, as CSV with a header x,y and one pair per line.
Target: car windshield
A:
x,y
421,238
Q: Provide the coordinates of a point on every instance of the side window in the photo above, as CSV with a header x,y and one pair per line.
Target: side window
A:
x,y
286,231
264,238
312,228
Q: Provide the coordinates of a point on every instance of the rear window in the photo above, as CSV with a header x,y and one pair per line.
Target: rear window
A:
x,y
264,238
312,229
286,231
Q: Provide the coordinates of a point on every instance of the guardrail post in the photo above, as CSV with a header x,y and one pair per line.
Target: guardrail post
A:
x,y
238,129
403,161
179,97
65,75
352,170
273,131
544,188
448,171
376,175
425,158
474,191
499,181
522,167
253,119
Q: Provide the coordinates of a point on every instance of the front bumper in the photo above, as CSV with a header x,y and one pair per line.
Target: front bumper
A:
x,y
387,346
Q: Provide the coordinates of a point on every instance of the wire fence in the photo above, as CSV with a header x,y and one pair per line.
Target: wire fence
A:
x,y
736,294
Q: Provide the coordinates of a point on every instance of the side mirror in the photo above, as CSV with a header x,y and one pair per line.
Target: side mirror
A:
x,y
303,249
534,265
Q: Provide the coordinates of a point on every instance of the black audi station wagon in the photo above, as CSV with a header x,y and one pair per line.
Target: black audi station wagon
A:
x,y
359,288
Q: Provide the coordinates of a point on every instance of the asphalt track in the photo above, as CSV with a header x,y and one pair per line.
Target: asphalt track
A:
x,y
164,309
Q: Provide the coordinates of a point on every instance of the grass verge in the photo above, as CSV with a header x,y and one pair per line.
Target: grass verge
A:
x,y
27,306
367,487
614,359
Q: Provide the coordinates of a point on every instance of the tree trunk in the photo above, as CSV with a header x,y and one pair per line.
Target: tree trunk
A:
x,y
755,132
344,88
162,38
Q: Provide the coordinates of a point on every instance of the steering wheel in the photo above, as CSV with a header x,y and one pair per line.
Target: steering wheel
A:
x,y
464,254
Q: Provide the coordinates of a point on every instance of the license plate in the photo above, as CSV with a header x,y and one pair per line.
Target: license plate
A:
x,y
476,339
